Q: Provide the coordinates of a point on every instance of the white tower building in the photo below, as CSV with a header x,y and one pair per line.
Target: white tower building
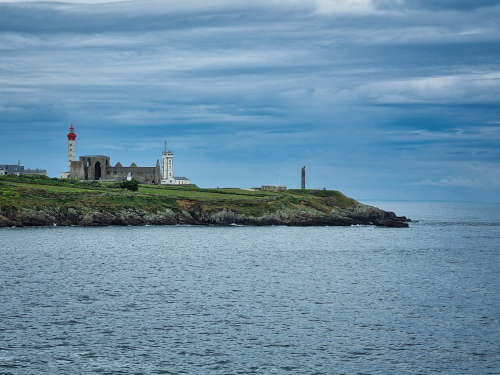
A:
x,y
71,146
167,169
167,158
71,151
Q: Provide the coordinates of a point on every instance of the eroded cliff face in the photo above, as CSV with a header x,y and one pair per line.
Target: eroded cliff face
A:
x,y
196,215
35,201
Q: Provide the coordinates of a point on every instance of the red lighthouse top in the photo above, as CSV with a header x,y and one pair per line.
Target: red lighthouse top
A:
x,y
71,134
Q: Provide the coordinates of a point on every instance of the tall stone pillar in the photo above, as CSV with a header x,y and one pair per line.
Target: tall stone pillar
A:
x,y
303,180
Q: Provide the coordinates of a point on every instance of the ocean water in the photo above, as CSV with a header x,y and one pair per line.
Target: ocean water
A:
x,y
246,300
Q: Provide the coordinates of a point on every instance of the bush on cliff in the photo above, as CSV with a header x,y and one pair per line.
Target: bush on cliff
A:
x,y
132,185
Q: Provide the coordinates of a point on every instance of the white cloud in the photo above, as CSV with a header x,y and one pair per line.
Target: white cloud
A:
x,y
188,114
344,6
471,133
324,7
458,88
73,2
160,66
469,175
410,34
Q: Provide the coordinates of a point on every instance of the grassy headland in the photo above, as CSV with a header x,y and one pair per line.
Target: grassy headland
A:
x,y
27,200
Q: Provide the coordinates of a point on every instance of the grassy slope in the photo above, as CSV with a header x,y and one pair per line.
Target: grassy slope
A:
x,y
35,192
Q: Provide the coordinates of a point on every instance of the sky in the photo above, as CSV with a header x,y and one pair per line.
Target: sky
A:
x,y
381,99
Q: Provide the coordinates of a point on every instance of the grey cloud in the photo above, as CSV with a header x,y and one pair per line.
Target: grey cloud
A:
x,y
459,89
354,85
478,175
462,5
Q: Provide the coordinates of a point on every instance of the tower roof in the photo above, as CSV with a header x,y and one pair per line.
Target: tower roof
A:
x,y
71,134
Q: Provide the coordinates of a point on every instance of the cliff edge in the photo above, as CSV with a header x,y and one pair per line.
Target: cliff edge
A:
x,y
35,201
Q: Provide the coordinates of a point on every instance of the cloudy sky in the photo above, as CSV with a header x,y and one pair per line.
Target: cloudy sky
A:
x,y
382,99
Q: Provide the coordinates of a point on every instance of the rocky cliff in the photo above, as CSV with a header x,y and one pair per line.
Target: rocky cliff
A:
x,y
41,202
42,216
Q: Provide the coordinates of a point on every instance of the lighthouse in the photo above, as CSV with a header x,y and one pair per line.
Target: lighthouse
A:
x,y
71,151
71,146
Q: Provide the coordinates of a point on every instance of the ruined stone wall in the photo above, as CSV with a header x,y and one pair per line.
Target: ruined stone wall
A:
x,y
98,167
90,167
76,170
144,175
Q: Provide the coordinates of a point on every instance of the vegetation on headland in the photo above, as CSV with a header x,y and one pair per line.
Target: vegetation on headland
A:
x,y
26,200
131,185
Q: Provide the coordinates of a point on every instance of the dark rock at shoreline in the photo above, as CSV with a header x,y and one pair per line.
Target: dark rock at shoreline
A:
x,y
48,216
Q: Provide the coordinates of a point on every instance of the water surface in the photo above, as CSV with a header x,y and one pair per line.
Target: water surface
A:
x,y
246,300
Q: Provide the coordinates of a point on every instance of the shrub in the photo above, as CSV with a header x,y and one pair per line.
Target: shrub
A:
x,y
132,185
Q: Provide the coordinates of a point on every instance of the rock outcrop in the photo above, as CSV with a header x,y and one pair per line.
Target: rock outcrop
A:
x,y
43,216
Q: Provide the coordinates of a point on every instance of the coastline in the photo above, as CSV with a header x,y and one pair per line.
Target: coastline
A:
x,y
46,202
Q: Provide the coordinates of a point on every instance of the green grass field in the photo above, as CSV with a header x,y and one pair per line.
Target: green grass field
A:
x,y
27,191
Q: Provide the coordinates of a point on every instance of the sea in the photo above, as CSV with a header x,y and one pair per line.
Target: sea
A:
x,y
256,300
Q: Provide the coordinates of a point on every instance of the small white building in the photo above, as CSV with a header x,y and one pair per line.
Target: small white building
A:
x,y
3,172
167,170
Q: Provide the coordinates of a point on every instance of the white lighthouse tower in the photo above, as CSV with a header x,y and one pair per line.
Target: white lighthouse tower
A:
x,y
71,146
71,151
167,159
167,169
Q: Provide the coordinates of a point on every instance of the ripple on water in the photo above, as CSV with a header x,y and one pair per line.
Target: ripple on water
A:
x,y
243,300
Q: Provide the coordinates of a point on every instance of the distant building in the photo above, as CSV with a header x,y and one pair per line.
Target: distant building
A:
x,y
18,170
303,178
167,173
98,167
273,187
12,169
